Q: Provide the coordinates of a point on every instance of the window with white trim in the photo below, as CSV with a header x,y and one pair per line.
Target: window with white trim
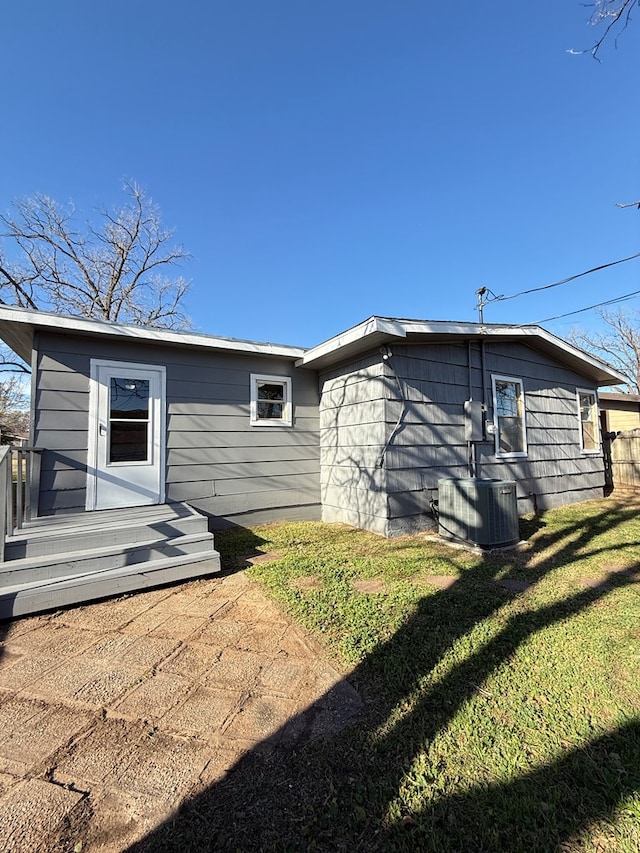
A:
x,y
271,400
588,421
508,414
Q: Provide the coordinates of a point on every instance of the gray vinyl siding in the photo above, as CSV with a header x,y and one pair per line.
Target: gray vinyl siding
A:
x,y
368,457
352,433
361,404
556,471
60,421
438,379
215,460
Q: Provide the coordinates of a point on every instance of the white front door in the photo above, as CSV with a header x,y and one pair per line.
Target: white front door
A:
x,y
126,435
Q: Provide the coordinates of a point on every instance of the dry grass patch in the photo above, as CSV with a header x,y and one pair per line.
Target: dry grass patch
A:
x,y
307,582
373,586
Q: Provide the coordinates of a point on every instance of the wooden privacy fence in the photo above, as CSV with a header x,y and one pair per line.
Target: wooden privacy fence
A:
x,y
625,458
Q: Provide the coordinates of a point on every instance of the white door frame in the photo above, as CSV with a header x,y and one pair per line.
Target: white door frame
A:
x,y
157,415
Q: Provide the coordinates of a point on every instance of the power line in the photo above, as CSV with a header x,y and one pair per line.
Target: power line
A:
x,y
590,308
566,280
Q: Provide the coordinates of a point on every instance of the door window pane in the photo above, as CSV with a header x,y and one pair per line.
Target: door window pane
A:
x,y
129,398
128,441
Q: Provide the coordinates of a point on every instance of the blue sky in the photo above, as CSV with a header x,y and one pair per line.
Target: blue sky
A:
x,y
325,161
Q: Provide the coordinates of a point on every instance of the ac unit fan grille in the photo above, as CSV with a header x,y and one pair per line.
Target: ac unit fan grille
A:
x,y
482,512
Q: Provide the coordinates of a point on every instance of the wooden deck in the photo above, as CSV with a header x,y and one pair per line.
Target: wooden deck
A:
x,y
67,559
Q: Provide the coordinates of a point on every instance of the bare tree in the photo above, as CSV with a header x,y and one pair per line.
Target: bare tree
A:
x,y
14,408
612,17
114,268
618,344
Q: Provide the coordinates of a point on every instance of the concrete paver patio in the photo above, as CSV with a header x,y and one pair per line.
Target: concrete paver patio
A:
x,y
112,714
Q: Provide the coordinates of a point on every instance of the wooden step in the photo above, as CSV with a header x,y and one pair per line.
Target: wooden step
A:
x,y
103,517
67,559
62,538
89,560
25,598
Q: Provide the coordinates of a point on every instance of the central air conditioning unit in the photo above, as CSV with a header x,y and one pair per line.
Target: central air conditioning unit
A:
x,y
482,512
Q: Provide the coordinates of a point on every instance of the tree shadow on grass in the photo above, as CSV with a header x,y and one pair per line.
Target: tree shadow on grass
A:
x,y
342,793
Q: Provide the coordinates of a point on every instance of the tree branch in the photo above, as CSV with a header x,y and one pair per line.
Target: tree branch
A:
x,y
616,12
20,292
115,269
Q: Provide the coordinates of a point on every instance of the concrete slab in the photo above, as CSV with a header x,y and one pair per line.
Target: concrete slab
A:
x,y
284,677
9,657
99,617
108,646
65,680
180,626
154,696
100,754
220,632
261,717
146,622
152,651
298,643
221,762
188,602
163,768
117,821
236,583
243,609
235,668
16,713
439,581
371,586
23,626
190,660
203,712
62,639
32,813
110,684
27,669
262,637
30,746
7,781
307,582
144,700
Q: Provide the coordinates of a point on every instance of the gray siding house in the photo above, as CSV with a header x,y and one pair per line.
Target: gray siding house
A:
x,y
405,403
211,453
358,429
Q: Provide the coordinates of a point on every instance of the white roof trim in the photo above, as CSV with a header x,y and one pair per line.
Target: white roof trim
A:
x,y
357,333
83,325
377,330
18,324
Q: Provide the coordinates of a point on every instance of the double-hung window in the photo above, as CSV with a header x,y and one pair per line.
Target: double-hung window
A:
x,y
271,400
588,421
509,416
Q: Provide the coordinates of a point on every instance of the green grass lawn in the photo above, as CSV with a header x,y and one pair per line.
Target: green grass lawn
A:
x,y
496,719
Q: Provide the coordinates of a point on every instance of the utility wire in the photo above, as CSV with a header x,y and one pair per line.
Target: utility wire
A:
x,y
590,308
568,279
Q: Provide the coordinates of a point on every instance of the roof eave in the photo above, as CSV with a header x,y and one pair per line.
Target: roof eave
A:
x,y
17,328
377,331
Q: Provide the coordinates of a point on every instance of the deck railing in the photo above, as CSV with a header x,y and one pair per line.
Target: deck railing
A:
x,y
6,490
20,472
